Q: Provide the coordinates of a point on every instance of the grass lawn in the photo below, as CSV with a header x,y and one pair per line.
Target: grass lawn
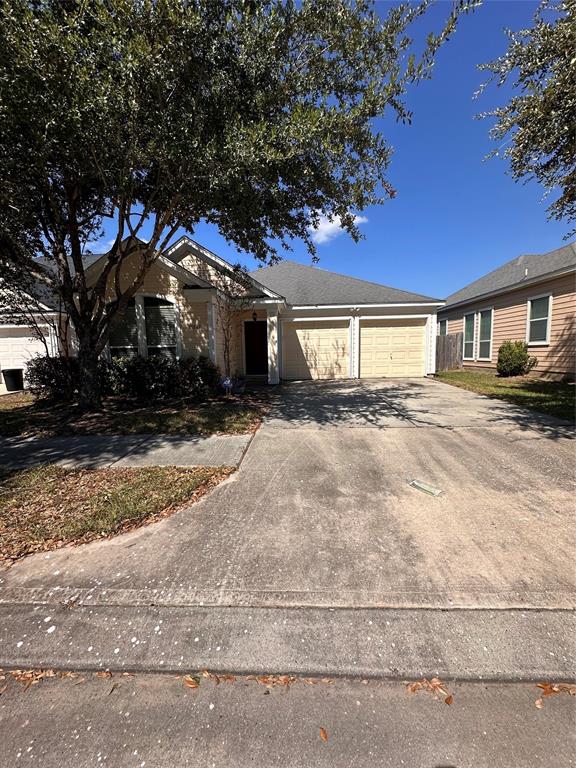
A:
x,y
22,414
551,397
47,507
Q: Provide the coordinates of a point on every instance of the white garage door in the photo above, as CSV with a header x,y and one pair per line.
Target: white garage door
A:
x,y
391,348
316,350
17,346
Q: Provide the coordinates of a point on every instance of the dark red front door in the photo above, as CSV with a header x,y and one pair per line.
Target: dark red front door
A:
x,y
256,347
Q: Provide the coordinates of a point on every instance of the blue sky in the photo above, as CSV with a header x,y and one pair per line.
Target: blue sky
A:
x,y
456,215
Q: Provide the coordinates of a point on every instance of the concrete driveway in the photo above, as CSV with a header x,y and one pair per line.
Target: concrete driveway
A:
x,y
321,515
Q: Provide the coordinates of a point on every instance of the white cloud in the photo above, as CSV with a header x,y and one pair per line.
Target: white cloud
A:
x,y
101,246
327,230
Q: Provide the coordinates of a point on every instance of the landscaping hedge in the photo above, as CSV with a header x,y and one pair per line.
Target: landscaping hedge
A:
x,y
139,378
514,360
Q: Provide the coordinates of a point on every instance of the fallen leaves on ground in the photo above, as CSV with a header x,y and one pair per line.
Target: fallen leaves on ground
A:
x,y
552,689
435,686
30,677
191,682
273,681
323,734
46,507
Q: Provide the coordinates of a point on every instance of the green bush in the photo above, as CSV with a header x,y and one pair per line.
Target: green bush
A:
x,y
514,360
147,378
140,378
160,378
53,378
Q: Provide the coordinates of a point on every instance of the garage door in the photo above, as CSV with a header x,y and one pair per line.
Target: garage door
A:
x,y
17,346
315,350
391,348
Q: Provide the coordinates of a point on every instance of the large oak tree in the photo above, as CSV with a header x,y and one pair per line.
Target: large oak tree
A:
x,y
153,115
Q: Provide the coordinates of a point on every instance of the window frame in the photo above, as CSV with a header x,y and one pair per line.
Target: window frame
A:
x,y
464,342
479,340
142,340
445,321
546,342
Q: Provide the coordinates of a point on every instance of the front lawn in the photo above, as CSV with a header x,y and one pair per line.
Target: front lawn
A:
x,y
22,414
551,397
47,507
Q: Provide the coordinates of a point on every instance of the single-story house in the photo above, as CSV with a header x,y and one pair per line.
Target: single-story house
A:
x,y
290,321
530,298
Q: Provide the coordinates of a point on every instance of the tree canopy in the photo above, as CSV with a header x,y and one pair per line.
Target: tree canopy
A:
x,y
154,115
538,124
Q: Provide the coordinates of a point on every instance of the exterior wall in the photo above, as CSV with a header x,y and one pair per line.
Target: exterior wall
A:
x,y
510,323
192,315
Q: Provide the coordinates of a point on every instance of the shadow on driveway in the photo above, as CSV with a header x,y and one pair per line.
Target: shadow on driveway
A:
x,y
393,403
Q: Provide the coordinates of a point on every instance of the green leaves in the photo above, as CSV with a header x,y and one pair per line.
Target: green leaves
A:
x,y
536,129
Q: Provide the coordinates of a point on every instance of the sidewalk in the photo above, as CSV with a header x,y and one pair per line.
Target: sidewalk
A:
x,y
155,720
101,451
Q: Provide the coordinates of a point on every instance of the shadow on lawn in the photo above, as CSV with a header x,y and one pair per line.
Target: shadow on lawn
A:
x,y
21,415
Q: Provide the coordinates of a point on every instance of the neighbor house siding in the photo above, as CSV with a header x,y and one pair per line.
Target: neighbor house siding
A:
x,y
558,357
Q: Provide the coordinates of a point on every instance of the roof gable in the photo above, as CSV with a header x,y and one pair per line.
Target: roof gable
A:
x,y
515,272
186,247
302,285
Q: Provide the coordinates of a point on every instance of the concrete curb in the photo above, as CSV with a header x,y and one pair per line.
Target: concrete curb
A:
x,y
467,645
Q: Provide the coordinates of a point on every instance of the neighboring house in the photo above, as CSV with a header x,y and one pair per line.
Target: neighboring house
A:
x,y
530,298
29,326
293,321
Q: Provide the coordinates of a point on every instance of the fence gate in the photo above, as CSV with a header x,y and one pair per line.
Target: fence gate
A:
x,y
449,351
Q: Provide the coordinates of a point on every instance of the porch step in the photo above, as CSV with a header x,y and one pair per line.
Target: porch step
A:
x,y
458,644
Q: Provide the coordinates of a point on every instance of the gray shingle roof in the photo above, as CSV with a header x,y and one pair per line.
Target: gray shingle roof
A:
x,y
300,284
515,272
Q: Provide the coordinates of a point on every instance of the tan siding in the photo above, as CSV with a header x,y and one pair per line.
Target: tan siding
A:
x,y
315,350
510,316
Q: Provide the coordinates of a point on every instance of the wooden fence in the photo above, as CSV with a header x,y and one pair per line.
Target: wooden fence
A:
x,y
449,351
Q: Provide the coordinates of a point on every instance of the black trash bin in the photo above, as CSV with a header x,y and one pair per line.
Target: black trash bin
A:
x,y
14,379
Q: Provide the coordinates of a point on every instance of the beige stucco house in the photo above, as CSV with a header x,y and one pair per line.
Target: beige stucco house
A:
x,y
530,298
290,321
293,321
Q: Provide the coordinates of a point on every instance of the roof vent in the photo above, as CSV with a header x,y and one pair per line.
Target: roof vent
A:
x,y
525,271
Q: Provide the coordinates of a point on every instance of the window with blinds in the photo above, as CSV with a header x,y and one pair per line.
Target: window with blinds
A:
x,y
157,333
160,321
123,339
539,320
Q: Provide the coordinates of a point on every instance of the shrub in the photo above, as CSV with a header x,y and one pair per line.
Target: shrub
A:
x,y
140,378
148,378
53,378
209,373
514,360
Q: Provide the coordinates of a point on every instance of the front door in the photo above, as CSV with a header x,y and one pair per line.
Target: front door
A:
x,y
256,347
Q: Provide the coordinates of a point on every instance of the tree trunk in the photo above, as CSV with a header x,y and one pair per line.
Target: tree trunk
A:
x,y
89,395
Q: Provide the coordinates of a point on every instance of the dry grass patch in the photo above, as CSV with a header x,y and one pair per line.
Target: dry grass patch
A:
x,y
22,414
46,507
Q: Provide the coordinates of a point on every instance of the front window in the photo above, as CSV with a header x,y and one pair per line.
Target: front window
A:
x,y
485,335
123,339
539,320
155,333
442,327
468,337
160,317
